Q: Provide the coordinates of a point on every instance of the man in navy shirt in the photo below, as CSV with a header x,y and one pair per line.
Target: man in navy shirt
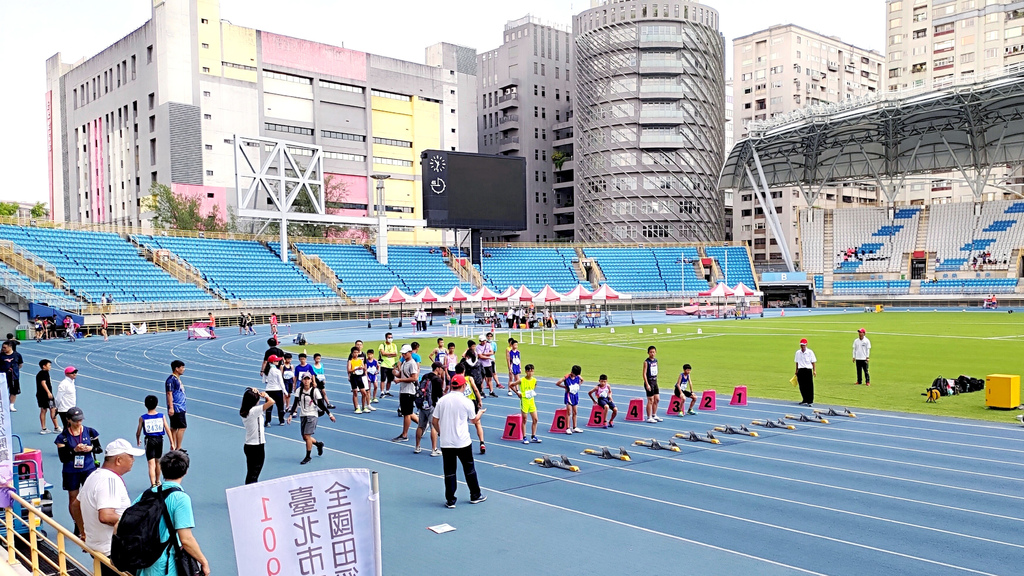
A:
x,y
176,402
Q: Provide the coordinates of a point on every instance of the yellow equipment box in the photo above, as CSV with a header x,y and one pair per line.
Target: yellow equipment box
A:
x,y
1002,391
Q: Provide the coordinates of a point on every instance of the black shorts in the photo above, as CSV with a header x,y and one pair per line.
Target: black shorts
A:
x,y
653,383
488,371
356,382
14,387
74,480
154,447
387,375
406,403
44,402
178,421
687,393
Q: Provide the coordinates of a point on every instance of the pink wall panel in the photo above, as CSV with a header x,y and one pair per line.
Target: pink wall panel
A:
x,y
206,203
355,192
312,56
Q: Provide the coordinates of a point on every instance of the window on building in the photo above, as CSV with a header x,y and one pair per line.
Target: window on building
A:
x,y
152,100
208,146
149,55
207,117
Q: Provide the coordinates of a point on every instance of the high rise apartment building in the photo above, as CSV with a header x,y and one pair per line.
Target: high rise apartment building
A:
x,y
648,121
777,71
933,44
164,103
525,96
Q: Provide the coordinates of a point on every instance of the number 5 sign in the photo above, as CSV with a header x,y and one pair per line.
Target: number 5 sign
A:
x,y
316,523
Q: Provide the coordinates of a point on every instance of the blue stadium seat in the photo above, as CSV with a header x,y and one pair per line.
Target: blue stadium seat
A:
x,y
735,264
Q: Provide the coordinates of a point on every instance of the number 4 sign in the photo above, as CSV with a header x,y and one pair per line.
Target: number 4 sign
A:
x,y
321,522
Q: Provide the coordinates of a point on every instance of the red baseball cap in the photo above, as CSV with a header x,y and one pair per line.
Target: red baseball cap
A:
x,y
274,358
70,370
803,340
862,330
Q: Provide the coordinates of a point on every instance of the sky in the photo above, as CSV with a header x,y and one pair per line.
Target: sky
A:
x,y
33,30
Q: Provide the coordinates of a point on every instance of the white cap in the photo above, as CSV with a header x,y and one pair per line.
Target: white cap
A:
x,y
122,446
405,349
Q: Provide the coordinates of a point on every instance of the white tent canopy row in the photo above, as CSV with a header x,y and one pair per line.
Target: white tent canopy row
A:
x,y
520,295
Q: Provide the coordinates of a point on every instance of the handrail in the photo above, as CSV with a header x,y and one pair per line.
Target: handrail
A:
x,y
31,560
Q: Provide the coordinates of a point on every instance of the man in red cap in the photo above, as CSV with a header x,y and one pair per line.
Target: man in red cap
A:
x,y
805,372
861,354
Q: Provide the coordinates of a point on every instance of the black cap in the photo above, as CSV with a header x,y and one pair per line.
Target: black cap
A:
x,y
75,414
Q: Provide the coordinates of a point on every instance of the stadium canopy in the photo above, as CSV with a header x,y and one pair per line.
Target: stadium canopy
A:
x,y
967,128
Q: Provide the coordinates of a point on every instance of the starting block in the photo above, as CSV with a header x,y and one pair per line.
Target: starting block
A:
x,y
832,412
742,430
560,461
774,424
815,417
694,437
635,412
655,445
561,421
605,453
513,428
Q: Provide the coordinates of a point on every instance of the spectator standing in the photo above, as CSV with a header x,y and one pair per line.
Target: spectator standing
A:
x,y
67,395
450,420
272,350
485,351
179,507
253,414
44,397
176,402
10,364
104,496
387,356
861,355
75,448
435,380
275,387
407,378
103,326
806,370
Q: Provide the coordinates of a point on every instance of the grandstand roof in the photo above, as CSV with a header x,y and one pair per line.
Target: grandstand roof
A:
x,y
966,128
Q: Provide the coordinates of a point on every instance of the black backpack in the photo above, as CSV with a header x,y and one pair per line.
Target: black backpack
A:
x,y
137,544
424,393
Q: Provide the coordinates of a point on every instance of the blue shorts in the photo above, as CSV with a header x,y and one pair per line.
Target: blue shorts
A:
x,y
572,399
605,403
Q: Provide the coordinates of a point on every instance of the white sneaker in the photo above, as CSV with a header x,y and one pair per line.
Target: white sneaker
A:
x,y
435,453
44,432
577,430
370,409
658,418
568,431
511,393
13,409
651,420
417,450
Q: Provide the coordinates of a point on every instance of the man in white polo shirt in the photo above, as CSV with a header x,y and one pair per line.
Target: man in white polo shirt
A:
x,y
806,370
451,418
104,496
861,355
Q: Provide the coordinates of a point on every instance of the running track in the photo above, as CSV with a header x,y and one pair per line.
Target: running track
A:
x,y
885,493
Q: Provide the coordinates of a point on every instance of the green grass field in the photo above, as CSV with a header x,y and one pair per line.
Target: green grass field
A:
x,y
909,350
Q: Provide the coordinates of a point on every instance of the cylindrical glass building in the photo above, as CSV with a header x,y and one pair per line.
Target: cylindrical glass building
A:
x,y
650,115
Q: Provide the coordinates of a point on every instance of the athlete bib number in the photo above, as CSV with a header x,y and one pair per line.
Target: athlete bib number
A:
x,y
288,375
654,369
574,388
515,361
529,394
154,426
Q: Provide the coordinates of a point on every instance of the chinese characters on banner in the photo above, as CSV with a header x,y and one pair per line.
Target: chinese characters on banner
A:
x,y
6,451
318,524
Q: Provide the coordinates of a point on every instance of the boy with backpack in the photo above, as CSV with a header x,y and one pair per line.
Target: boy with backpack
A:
x,y
428,392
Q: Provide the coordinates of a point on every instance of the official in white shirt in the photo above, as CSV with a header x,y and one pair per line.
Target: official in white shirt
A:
x,y
806,370
861,355
104,496
451,418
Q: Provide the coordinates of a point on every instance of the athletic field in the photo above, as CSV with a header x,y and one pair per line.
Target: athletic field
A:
x,y
884,493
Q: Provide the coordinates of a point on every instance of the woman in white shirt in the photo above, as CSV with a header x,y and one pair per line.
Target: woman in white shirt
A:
x,y
253,414
275,386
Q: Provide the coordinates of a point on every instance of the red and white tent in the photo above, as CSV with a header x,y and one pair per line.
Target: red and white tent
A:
x,y
547,294
605,292
456,294
393,296
523,294
506,293
580,292
742,290
484,293
719,291
425,295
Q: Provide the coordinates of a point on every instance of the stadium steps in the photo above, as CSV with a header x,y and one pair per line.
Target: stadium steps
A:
x,y
318,270
172,264
830,252
581,271
597,275
29,265
467,273
922,230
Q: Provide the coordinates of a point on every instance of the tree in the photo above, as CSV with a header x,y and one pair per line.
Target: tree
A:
x,y
9,208
559,158
40,210
181,211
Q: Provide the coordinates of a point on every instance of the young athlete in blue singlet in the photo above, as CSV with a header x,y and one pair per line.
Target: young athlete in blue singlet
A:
x,y
154,426
572,382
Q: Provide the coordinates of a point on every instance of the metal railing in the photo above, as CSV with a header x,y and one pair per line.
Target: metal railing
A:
x,y
32,558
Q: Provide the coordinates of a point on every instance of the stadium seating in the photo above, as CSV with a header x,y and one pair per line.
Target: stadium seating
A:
x,y
242,270
958,236
812,238
869,287
36,291
534,267
97,263
970,286
879,241
418,268
735,264
630,270
819,282
676,266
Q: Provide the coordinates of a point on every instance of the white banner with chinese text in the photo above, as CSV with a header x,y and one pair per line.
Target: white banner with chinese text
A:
x,y
312,524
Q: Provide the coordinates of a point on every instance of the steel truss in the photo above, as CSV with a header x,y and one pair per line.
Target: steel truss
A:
x,y
611,56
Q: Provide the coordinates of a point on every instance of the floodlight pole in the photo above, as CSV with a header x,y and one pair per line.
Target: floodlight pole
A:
x,y
382,219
